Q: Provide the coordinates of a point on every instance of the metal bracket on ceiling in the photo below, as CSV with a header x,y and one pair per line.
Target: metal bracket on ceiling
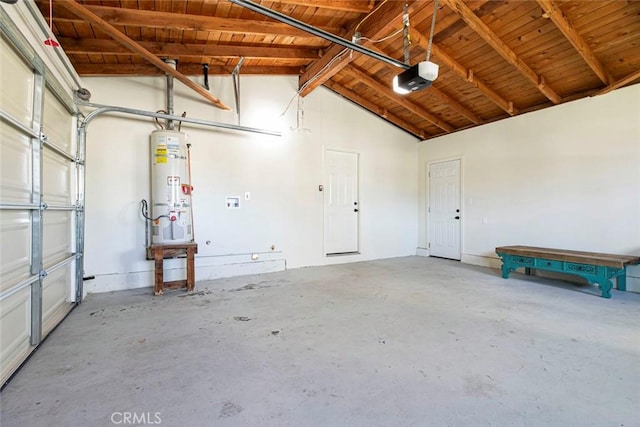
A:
x,y
236,69
205,71
235,74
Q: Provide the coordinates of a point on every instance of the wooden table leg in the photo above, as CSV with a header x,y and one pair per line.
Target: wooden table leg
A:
x,y
159,260
191,276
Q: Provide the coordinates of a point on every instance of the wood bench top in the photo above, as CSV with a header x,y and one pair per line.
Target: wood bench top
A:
x,y
169,246
595,258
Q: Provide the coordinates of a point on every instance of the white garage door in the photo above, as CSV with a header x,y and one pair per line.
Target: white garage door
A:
x,y
39,199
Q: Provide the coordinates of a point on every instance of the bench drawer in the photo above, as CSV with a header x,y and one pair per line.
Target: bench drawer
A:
x,y
546,263
582,268
524,260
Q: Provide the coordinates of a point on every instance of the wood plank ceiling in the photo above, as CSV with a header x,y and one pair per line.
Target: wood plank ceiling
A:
x,y
497,58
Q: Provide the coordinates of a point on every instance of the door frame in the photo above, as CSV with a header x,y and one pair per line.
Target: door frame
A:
x,y
428,199
326,148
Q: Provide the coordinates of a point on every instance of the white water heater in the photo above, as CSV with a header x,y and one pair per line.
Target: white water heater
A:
x,y
170,188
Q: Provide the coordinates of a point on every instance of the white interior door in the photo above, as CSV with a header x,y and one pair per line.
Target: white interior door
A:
x,y
341,202
444,209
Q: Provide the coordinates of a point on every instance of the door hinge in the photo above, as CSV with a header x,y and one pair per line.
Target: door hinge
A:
x,y
429,245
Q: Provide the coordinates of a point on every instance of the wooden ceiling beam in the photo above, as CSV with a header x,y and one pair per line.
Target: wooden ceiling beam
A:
x,y
553,11
110,47
358,6
379,22
368,105
179,21
385,89
619,83
106,70
466,74
84,13
455,105
476,24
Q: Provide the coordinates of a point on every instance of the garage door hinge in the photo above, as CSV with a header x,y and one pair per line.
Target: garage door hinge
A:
x,y
43,274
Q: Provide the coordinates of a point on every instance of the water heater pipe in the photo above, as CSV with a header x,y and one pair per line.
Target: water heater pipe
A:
x,y
172,64
193,227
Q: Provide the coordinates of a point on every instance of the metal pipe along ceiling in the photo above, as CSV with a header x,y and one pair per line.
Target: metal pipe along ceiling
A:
x,y
317,32
100,109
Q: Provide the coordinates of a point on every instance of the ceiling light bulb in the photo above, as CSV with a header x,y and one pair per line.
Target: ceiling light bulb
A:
x,y
397,89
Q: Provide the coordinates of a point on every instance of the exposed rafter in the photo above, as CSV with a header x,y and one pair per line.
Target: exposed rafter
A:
x,y
187,70
553,11
380,22
178,21
352,96
359,6
110,47
385,89
84,13
467,74
485,75
476,24
622,82
455,105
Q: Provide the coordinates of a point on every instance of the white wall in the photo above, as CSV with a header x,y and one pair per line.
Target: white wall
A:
x,y
282,174
567,177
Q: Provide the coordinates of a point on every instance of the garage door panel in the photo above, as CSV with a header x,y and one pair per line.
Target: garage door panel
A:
x,y
57,178
56,297
38,269
15,329
17,83
15,247
15,166
57,123
56,244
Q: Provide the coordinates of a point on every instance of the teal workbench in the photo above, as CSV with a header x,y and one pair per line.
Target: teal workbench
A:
x,y
596,268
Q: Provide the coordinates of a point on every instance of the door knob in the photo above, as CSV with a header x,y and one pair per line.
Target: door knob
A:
x,y
355,210
457,217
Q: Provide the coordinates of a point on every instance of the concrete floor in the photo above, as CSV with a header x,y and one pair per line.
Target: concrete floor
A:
x,y
400,342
